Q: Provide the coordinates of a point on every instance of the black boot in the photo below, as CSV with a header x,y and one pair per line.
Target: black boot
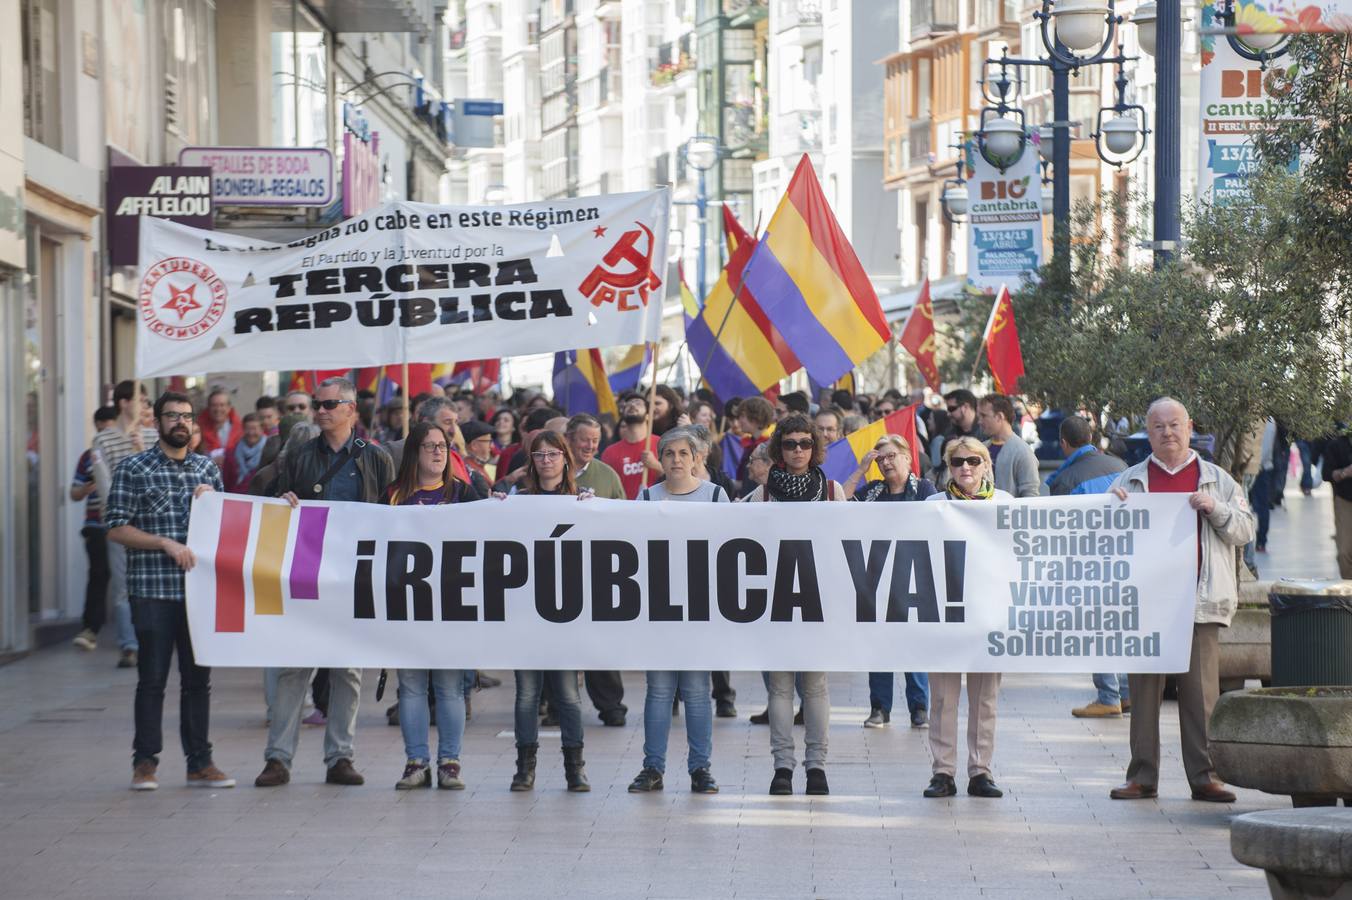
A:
x,y
524,779
575,770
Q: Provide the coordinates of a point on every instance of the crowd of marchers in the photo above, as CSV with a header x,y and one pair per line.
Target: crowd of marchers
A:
x,y
147,462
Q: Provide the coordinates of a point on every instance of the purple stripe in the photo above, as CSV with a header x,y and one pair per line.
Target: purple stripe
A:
x,y
840,461
309,552
725,377
573,393
784,304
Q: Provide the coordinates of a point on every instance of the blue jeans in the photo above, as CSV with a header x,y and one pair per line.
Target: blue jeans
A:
x,y
1260,497
448,686
699,718
880,690
1112,689
162,627
563,698
1306,475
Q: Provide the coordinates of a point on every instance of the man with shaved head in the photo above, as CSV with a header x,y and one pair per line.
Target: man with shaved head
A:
x,y
1224,523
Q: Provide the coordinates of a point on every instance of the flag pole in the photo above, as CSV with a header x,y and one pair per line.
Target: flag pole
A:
x,y
652,394
403,376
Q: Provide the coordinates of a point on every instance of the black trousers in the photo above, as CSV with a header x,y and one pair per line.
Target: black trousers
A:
x,y
606,690
723,690
96,588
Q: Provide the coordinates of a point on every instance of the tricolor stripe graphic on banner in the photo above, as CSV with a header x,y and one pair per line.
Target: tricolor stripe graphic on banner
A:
x,y
265,572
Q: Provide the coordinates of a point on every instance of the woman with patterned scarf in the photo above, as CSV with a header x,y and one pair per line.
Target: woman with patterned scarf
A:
x,y
796,455
969,477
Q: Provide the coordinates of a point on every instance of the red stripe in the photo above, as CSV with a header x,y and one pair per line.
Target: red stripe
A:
x,y
736,264
236,517
805,193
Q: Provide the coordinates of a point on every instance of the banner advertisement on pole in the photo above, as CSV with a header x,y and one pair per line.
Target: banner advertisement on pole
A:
x,y
1287,16
405,283
1236,95
1066,584
1004,212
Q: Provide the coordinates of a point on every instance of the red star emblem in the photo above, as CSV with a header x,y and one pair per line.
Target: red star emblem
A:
x,y
599,231
181,301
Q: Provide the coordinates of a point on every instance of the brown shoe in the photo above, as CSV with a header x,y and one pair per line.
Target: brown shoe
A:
x,y
1213,792
143,776
210,777
274,774
1134,791
343,773
1097,710
1126,707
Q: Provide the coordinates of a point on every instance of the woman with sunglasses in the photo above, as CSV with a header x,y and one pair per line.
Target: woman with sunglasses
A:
x,y
797,452
549,471
426,478
968,464
893,456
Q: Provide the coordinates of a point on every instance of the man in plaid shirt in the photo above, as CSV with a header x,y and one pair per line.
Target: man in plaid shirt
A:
x,y
147,512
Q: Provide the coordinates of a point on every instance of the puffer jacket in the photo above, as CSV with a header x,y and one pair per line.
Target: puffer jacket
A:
x,y
1230,525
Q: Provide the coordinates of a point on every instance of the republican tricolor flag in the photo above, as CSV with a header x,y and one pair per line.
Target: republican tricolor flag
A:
x,y
1001,341
844,455
580,384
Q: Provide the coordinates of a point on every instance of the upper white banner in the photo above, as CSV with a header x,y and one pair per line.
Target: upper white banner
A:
x,y
405,282
1067,584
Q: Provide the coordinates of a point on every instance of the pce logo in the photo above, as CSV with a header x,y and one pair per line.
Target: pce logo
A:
x,y
605,285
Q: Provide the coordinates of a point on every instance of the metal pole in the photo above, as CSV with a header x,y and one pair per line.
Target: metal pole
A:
x,y
1168,41
1061,165
701,208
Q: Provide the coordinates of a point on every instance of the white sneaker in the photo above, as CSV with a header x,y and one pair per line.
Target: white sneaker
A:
x,y
417,774
86,640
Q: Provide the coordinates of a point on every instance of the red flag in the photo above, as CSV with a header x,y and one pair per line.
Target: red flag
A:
x,y
918,336
1002,344
480,374
733,232
902,422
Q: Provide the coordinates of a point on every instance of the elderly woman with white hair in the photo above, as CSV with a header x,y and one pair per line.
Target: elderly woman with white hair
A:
x,y
969,477
893,455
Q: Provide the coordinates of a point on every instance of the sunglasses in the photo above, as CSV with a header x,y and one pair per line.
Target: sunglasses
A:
x,y
805,444
330,404
952,409
973,462
297,407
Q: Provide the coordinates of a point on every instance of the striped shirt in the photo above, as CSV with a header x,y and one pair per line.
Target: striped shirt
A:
x,y
112,445
154,493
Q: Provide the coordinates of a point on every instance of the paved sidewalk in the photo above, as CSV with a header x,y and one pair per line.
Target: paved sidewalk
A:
x,y
69,827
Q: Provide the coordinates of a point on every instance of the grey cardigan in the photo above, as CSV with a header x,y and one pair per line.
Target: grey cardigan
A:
x,y
1016,468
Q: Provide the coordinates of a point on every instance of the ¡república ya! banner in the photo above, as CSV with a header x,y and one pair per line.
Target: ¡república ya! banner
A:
x,y
1047,585
405,282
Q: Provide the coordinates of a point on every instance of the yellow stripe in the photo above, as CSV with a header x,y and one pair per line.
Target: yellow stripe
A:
x,y
632,357
741,338
267,568
826,294
862,441
600,385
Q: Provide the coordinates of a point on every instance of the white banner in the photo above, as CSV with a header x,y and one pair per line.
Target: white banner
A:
x,y
1070,584
1236,95
405,282
1004,211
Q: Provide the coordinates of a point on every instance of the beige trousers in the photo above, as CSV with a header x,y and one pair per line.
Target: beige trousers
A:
x,y
1198,690
983,690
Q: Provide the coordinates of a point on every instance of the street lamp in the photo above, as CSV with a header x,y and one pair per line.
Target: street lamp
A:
x,y
702,153
1118,135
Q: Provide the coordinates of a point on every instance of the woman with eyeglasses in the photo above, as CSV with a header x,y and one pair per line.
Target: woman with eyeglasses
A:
x,y
968,464
426,478
898,484
549,471
797,452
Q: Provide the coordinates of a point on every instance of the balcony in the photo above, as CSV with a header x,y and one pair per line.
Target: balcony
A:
x,y
744,13
799,22
744,131
933,16
600,90
674,60
798,132
918,142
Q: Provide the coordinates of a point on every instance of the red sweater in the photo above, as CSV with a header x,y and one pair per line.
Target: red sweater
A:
x,y
1184,481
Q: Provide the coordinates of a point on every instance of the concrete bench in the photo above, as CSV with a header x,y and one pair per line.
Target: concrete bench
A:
x,y
1307,853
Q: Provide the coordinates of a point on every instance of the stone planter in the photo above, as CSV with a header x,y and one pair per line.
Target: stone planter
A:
x,y
1246,648
1293,741
1307,853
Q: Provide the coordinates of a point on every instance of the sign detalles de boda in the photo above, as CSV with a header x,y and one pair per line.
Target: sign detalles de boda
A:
x,y
1071,585
406,282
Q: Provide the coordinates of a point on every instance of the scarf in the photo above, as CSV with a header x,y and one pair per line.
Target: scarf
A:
x,y
247,459
985,492
811,485
876,489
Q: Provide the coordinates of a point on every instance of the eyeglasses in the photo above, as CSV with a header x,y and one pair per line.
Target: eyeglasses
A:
x,y
331,404
546,455
435,448
804,444
297,407
175,418
973,462
888,456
